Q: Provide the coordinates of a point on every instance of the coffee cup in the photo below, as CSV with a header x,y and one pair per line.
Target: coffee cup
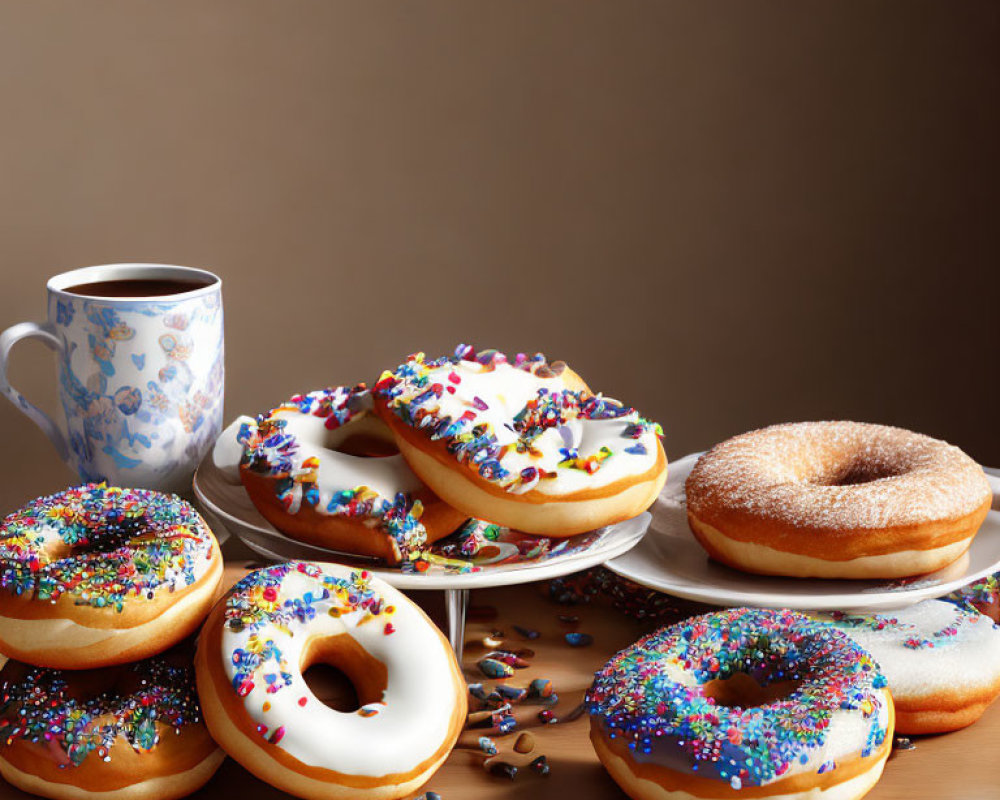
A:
x,y
140,371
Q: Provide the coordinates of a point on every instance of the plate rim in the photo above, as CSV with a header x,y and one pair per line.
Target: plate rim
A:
x,y
515,574
818,601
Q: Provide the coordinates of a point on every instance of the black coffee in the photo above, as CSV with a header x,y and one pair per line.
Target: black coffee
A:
x,y
137,287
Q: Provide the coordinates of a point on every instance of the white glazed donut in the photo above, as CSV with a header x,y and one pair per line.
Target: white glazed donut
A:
x,y
524,444
280,620
942,662
322,469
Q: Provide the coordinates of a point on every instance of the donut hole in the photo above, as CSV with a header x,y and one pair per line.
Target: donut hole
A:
x,y
342,674
365,437
332,687
858,471
366,446
743,690
111,535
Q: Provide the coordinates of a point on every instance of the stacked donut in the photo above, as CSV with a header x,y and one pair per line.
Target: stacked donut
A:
x,y
521,443
99,588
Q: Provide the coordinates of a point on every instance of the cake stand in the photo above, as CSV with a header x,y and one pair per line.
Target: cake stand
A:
x,y
514,558
669,559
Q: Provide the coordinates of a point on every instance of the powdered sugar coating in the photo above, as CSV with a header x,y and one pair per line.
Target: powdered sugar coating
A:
x,y
838,476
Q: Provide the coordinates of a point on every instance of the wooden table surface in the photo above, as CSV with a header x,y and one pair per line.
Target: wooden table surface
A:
x,y
959,765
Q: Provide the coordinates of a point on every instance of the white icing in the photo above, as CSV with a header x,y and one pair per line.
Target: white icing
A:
x,y
228,450
506,390
414,717
845,737
914,668
299,442
387,475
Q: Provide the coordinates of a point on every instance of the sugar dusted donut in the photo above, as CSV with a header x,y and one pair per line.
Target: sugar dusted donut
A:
x,y
523,444
98,575
321,468
836,500
277,622
742,703
942,662
129,732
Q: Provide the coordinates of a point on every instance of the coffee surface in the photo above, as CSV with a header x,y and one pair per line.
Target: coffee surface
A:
x,y
136,287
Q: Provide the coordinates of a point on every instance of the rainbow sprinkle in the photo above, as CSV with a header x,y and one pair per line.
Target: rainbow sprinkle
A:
x,y
254,604
641,696
883,622
42,707
982,595
413,394
122,543
270,450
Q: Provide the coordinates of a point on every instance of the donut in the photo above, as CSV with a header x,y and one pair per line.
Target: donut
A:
x,y
128,732
942,662
324,470
524,444
836,500
742,703
276,623
99,575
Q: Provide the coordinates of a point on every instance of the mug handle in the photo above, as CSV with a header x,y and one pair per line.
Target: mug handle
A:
x,y
46,333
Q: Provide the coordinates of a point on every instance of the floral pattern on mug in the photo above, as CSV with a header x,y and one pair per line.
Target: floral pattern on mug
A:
x,y
141,384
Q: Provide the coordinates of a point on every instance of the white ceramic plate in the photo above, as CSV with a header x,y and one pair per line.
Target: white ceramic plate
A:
x,y
670,560
227,504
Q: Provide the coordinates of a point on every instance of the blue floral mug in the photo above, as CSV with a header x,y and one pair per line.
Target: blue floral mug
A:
x,y
140,371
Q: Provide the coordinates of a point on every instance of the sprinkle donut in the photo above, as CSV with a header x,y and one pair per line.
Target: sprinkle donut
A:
x,y
942,662
322,469
129,732
836,500
523,444
277,622
98,575
742,702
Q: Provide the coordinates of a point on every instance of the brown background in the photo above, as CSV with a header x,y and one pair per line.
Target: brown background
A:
x,y
726,214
